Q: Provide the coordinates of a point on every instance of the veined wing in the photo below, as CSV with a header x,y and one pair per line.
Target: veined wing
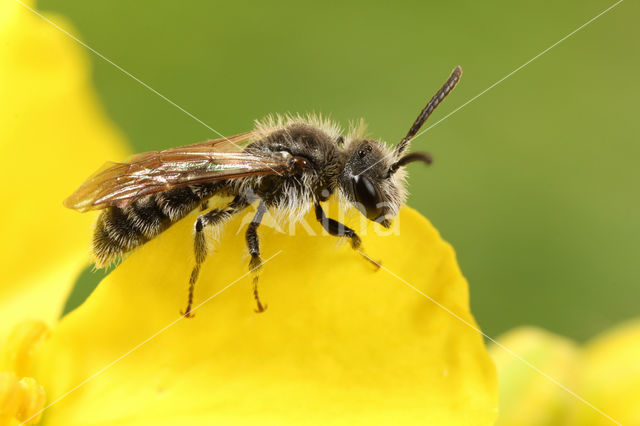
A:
x,y
118,184
234,143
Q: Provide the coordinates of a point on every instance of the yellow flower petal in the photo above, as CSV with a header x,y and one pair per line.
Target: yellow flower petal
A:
x,y
10,398
17,352
610,377
53,134
21,400
33,398
340,343
526,396
605,373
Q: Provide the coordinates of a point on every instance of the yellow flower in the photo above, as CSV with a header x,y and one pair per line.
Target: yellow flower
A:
x,y
526,396
21,397
604,372
52,134
610,376
340,343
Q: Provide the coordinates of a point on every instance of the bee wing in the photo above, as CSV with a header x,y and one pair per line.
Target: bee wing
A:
x,y
234,143
118,184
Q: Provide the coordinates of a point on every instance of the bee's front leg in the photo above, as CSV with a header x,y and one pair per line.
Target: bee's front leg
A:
x,y
336,228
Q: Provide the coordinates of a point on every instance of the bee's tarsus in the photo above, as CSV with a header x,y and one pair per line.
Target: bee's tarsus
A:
x,y
259,306
376,263
192,283
187,313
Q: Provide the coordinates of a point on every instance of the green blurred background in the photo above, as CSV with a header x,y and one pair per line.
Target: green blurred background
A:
x,y
535,183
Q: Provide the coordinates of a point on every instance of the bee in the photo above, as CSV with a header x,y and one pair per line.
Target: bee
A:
x,y
287,165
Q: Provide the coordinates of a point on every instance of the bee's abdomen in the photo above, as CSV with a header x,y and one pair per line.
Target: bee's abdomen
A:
x,y
120,230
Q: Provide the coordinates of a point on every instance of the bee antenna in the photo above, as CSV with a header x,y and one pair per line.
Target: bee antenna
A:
x,y
448,86
410,158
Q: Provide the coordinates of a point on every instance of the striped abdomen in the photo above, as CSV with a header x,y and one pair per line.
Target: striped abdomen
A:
x,y
119,231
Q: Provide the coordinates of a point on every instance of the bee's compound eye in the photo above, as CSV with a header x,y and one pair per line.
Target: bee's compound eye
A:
x,y
367,197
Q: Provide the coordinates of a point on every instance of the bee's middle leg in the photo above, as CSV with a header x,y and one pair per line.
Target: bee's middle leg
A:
x,y
336,228
211,218
253,243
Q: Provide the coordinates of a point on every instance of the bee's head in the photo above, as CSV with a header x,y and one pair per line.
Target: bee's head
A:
x,y
373,177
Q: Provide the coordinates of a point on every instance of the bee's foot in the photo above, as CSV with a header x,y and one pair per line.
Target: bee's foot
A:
x,y
187,314
260,309
376,264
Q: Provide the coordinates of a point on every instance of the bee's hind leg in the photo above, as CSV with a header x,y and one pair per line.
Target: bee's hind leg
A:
x,y
211,218
254,250
336,228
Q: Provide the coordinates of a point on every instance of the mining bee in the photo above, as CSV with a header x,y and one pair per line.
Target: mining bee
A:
x,y
286,165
